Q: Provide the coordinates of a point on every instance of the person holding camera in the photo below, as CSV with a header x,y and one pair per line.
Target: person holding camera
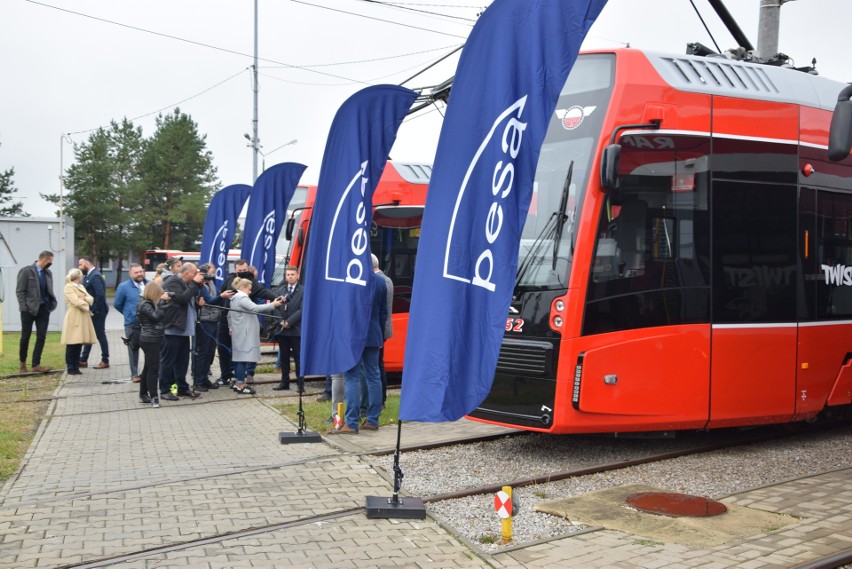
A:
x,y
179,324
245,331
207,327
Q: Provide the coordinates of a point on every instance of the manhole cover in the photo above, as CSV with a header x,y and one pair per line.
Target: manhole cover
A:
x,y
671,504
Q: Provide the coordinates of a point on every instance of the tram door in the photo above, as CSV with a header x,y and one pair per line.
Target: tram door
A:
x,y
754,333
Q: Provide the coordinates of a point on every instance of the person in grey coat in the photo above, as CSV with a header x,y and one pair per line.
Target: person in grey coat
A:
x,y
36,301
245,331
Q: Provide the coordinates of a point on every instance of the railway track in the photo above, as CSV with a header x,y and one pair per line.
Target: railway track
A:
x,y
760,436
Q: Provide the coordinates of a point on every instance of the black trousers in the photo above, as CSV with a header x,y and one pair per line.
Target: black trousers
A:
x,y
226,367
41,321
150,372
99,322
72,356
205,349
174,363
290,345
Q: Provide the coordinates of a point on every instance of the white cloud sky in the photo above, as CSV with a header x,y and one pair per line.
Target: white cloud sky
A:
x,y
65,73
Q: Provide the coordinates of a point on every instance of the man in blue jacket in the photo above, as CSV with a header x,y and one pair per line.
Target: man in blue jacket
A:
x,y
127,296
95,285
368,365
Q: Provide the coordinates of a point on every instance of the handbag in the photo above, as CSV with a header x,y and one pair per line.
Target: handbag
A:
x,y
135,331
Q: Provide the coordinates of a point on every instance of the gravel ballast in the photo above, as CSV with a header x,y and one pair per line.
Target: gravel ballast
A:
x,y
714,474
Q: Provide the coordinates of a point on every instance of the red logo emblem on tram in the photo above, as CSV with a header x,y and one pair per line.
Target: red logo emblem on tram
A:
x,y
572,117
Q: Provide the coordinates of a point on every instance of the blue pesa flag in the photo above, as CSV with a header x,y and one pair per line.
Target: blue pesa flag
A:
x,y
220,225
337,266
509,77
265,216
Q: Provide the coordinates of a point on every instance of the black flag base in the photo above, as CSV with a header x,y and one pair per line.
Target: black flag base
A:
x,y
299,437
395,507
302,435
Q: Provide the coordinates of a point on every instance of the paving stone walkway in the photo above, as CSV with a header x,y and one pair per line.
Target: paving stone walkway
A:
x,y
205,483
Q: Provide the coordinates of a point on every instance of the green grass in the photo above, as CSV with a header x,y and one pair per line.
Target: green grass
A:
x,y
317,413
52,357
23,402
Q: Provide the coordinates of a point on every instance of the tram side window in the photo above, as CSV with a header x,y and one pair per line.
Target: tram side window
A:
x,y
754,252
834,252
651,263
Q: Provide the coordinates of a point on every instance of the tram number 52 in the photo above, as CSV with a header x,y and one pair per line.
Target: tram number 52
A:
x,y
514,324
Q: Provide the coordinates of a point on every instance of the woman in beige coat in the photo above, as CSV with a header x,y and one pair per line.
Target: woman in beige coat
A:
x,y
77,328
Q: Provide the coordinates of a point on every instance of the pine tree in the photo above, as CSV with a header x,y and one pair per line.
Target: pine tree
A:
x,y
179,180
8,207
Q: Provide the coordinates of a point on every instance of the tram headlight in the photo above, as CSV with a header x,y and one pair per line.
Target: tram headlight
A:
x,y
557,321
560,306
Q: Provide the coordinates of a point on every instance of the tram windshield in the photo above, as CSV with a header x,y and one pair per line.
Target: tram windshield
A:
x,y
562,174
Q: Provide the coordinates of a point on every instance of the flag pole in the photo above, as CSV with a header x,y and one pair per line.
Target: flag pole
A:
x,y
302,435
409,508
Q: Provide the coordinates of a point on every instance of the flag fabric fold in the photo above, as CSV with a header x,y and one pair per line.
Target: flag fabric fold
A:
x,y
505,90
267,209
220,226
337,266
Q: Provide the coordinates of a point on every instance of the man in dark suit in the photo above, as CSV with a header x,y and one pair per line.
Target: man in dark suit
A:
x,y
95,285
290,335
36,301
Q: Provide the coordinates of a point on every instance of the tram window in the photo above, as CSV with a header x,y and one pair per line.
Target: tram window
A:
x,y
834,251
651,264
754,252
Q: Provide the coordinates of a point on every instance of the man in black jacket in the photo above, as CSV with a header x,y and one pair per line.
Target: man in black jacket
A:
x,y
179,317
241,268
36,301
96,286
290,331
207,329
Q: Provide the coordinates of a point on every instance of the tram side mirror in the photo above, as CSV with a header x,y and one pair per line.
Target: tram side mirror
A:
x,y
609,167
840,135
288,231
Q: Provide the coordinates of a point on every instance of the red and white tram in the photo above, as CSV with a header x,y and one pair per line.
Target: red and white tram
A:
x,y
699,278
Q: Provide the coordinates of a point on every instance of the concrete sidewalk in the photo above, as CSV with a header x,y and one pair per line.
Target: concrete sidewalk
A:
x,y
205,483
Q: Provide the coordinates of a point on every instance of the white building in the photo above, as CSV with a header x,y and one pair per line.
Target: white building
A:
x,y
21,241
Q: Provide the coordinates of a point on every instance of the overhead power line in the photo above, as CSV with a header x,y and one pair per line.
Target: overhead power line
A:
x,y
400,6
377,19
365,60
182,101
192,42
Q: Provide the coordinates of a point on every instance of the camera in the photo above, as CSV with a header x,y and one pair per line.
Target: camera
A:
x,y
209,277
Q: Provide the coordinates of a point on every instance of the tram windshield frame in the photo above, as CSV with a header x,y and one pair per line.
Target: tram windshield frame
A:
x,y
570,144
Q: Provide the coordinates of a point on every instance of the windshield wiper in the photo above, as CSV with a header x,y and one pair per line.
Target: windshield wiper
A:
x,y
560,223
548,230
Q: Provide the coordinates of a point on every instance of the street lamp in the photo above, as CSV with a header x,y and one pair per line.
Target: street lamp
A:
x,y
62,138
257,148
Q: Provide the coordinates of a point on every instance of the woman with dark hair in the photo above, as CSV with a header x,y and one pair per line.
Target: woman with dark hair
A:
x,y
150,318
77,329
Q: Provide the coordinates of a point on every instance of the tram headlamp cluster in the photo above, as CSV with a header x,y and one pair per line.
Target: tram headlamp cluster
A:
x,y
557,320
